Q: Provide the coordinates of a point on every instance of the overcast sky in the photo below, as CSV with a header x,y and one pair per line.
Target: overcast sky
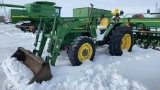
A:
x,y
128,6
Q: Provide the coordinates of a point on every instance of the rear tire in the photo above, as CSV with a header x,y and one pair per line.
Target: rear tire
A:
x,y
122,38
81,49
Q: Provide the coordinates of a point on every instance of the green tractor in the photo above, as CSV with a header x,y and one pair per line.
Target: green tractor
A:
x,y
77,35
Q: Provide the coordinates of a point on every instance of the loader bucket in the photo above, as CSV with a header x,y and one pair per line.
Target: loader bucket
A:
x,y
40,68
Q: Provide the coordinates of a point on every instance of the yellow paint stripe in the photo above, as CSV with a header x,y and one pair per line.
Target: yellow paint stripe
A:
x,y
79,28
20,16
28,17
145,21
138,21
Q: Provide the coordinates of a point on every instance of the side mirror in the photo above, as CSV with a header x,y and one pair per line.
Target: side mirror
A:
x,y
148,10
121,12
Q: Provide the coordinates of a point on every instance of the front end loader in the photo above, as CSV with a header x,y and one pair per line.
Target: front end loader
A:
x,y
33,12
77,35
40,68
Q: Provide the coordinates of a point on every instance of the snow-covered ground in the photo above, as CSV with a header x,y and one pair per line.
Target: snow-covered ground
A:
x,y
10,39
138,70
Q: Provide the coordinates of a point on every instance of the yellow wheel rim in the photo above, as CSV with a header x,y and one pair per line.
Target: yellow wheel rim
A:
x,y
85,52
126,42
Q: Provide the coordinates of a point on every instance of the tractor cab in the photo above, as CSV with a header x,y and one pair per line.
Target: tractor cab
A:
x,y
58,10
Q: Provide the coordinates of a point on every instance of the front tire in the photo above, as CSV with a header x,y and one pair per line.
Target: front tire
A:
x,y
121,39
81,49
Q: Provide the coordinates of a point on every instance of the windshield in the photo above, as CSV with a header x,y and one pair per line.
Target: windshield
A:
x,y
58,11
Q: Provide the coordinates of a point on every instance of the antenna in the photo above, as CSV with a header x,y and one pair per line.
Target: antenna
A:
x,y
3,13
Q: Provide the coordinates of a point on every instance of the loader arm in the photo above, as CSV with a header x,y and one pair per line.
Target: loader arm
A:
x,y
58,38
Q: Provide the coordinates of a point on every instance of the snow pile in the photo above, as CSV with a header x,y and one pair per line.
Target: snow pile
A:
x,y
100,37
101,27
17,73
90,75
11,38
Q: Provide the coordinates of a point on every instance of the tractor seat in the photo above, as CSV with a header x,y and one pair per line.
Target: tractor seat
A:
x,y
103,24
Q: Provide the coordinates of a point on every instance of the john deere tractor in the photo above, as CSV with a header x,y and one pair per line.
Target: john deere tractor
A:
x,y
77,35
